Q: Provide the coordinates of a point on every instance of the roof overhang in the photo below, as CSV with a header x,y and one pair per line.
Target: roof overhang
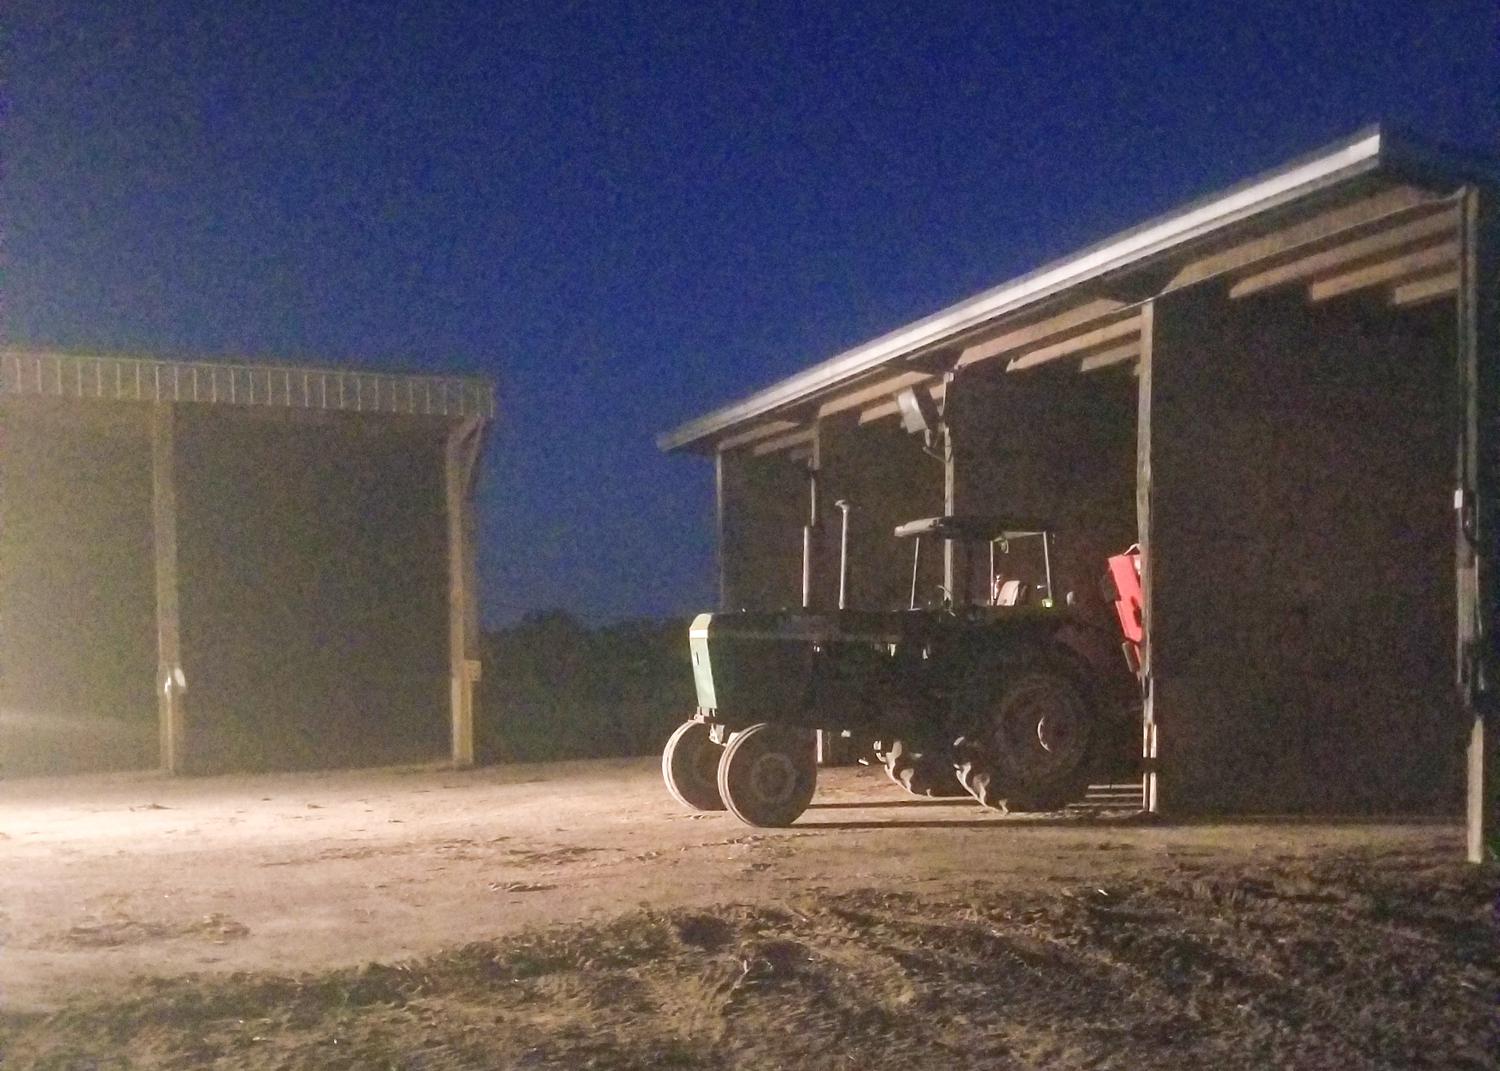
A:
x,y
86,377
1343,164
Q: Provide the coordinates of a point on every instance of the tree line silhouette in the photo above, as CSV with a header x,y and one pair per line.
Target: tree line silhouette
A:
x,y
555,688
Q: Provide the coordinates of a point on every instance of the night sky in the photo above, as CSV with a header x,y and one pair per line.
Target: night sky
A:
x,y
632,213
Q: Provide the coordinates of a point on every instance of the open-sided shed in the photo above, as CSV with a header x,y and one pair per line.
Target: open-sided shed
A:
x,y
209,566
1285,393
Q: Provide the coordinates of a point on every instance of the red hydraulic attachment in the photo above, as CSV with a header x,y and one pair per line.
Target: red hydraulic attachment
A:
x,y
1125,571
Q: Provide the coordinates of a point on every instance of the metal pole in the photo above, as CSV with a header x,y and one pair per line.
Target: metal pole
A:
x,y
1047,562
916,562
843,507
807,535
806,566
992,573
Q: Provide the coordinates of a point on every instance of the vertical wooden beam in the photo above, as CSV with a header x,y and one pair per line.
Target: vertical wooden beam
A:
x,y
1150,751
171,685
461,457
828,750
720,558
1478,306
950,493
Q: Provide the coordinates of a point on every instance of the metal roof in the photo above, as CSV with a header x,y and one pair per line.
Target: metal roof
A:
x,y
144,379
1366,152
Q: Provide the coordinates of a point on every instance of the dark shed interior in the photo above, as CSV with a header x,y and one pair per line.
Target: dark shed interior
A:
x,y
314,578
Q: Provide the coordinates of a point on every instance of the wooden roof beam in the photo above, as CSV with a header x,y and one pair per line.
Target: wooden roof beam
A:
x,y
1131,325
1421,262
774,427
876,391
1443,223
1346,220
1110,357
1040,331
939,392
801,437
1428,288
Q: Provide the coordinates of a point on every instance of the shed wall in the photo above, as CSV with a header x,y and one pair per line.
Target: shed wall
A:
x,y
1301,542
764,504
1056,446
77,601
887,478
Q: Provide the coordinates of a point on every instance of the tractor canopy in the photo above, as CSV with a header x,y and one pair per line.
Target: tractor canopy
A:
x,y
974,528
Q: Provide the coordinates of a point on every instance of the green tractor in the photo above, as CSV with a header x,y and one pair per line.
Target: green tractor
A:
x,y
1014,697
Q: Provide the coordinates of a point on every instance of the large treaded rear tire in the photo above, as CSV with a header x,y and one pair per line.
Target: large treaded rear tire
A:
x,y
768,773
1036,740
690,767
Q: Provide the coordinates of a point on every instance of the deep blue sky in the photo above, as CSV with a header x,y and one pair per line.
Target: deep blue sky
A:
x,y
631,213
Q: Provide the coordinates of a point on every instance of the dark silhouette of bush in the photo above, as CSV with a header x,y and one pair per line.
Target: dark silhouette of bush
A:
x,y
554,688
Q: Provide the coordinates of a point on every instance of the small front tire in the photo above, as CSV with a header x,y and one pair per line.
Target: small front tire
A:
x,y
767,774
690,767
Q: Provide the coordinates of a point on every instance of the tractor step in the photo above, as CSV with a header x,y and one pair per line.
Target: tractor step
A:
x,y
1101,799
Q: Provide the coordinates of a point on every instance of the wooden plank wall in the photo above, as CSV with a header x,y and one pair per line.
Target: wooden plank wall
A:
x,y
1055,445
888,479
1302,554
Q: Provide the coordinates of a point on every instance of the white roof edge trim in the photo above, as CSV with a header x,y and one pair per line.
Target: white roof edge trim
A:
x,y
1343,161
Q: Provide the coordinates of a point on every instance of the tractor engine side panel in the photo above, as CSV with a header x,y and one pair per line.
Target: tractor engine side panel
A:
x,y
796,669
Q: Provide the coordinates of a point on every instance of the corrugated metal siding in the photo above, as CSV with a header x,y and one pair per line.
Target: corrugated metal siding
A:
x,y
282,386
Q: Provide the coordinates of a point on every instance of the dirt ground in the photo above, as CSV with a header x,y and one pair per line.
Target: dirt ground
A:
x,y
571,916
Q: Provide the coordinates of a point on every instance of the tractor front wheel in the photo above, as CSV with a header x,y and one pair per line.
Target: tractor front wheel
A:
x,y
690,767
768,773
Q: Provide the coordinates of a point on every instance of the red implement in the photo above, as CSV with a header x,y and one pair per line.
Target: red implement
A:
x,y
1125,571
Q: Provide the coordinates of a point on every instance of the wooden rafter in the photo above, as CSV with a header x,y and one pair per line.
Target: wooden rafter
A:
x,y
1335,224
1416,291
1112,356
939,391
1443,223
874,392
1422,262
1041,332
783,442
1130,325
755,434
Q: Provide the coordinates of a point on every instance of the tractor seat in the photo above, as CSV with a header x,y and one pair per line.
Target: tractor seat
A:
x,y
1011,593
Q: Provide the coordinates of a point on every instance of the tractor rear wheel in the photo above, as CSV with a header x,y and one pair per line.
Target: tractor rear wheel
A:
x,y
690,767
922,774
767,774
1033,748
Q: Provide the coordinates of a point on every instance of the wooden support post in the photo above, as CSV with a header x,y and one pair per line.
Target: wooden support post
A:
x,y
720,557
171,685
951,564
1478,515
1150,752
461,459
